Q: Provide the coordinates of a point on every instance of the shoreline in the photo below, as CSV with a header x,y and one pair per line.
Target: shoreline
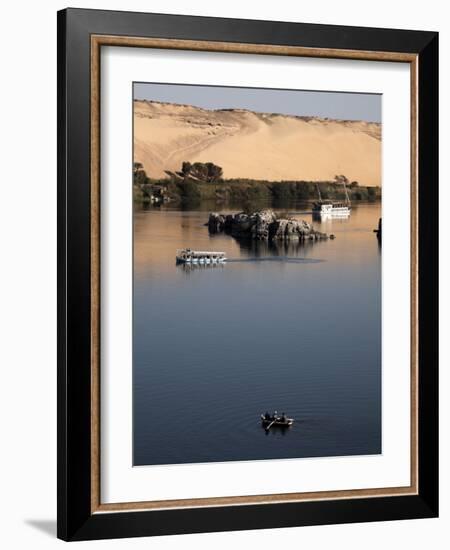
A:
x,y
248,191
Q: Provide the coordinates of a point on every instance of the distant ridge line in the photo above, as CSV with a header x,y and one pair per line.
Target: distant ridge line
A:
x,y
262,113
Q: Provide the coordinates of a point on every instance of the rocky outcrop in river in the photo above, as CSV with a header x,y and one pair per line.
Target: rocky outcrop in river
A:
x,y
263,225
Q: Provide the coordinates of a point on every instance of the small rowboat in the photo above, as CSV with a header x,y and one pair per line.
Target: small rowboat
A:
x,y
269,420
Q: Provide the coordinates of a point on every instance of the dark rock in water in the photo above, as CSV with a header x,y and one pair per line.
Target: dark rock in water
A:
x,y
216,222
379,230
263,225
260,223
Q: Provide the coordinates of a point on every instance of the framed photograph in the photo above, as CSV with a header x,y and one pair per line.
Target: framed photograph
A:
x,y
247,274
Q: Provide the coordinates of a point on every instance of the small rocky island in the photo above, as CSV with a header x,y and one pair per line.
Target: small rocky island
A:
x,y
263,225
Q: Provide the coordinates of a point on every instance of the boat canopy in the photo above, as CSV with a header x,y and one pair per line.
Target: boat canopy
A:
x,y
199,253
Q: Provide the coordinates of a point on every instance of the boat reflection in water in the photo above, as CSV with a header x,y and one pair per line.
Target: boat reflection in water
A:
x,y
191,267
320,216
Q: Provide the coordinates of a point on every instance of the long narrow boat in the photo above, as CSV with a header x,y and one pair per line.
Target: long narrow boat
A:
x,y
188,256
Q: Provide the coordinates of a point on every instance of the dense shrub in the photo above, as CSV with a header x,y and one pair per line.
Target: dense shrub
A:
x,y
203,171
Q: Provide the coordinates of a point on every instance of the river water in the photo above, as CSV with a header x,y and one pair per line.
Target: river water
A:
x,y
294,328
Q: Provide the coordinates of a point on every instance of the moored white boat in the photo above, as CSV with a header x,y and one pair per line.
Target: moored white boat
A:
x,y
326,208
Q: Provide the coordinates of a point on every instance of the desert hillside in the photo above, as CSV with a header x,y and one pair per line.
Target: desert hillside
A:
x,y
255,145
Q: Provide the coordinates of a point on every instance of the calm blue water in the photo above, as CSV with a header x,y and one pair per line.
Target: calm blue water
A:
x,y
295,328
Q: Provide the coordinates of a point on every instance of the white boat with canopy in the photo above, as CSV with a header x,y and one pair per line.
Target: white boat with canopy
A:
x,y
188,256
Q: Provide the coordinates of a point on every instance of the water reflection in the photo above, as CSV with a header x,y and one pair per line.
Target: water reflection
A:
x,y
276,431
325,218
283,248
191,267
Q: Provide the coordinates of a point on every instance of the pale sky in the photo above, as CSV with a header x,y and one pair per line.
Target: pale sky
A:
x,y
335,105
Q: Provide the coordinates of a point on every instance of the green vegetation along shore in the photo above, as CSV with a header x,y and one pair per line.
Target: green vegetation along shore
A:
x,y
188,187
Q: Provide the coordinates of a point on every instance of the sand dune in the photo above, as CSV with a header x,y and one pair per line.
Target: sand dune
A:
x,y
255,145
